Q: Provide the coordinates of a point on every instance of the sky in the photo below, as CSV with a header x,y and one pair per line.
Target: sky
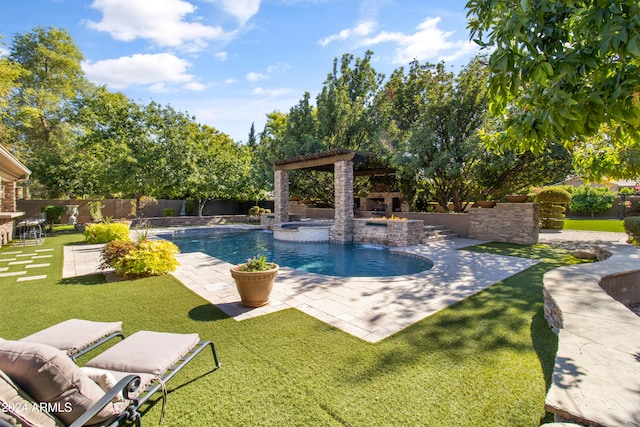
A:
x,y
231,62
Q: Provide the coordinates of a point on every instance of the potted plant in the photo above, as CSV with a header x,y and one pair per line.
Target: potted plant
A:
x,y
516,198
254,280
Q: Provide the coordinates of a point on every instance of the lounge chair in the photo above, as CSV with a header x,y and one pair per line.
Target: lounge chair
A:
x,y
139,366
76,336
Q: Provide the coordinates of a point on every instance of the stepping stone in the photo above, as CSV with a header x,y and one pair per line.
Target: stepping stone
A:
x,y
23,255
29,278
21,262
13,273
44,250
42,256
8,259
37,265
4,268
12,253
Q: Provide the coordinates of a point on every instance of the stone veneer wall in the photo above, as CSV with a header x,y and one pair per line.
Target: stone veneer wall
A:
x,y
6,231
388,232
281,194
342,230
9,201
507,222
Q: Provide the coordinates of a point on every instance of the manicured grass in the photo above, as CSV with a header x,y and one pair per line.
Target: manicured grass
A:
x,y
615,225
485,361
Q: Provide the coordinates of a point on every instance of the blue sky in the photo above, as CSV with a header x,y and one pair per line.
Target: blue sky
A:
x,y
230,62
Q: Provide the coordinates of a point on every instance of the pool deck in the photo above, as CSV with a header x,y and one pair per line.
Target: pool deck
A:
x,y
371,308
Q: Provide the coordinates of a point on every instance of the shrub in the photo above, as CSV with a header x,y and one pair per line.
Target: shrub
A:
x,y
254,211
95,210
113,251
551,209
591,200
632,227
190,207
106,232
168,212
52,214
554,195
141,259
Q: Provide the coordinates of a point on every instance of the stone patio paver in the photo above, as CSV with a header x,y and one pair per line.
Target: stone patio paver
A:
x,y
369,308
29,278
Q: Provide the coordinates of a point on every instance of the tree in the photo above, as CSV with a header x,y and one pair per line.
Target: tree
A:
x,y
9,73
434,120
252,141
509,172
345,103
217,171
564,71
41,100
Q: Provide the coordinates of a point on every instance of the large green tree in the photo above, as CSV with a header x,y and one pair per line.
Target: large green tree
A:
x,y
435,117
432,118
345,103
565,71
41,104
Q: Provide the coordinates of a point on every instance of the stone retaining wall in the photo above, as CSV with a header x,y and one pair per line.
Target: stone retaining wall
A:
x,y
174,221
506,222
388,232
596,377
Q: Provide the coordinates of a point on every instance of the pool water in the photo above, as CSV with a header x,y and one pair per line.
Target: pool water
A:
x,y
349,260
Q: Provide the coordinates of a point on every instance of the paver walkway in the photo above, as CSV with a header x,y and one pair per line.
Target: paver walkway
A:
x,y
21,263
579,239
368,308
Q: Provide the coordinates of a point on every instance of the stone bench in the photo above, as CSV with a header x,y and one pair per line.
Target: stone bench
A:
x,y
596,378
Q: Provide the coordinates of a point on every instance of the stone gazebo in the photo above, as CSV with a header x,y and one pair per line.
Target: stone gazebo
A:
x,y
345,164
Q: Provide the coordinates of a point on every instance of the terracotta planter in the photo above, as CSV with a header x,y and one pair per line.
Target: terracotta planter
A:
x,y
254,287
517,198
486,203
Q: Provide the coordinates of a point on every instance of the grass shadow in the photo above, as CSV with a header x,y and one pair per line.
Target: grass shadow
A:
x,y
207,313
86,280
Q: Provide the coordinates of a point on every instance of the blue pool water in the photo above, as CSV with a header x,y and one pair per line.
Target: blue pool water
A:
x,y
350,260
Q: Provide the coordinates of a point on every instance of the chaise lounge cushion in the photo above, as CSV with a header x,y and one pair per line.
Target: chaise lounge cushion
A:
x,y
49,376
74,334
17,408
145,353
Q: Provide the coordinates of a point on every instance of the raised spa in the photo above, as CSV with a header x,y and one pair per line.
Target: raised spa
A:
x,y
302,231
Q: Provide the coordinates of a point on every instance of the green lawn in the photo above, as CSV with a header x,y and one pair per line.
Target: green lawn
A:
x,y
616,225
485,361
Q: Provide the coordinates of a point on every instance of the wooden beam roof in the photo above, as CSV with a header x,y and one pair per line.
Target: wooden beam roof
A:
x,y
364,162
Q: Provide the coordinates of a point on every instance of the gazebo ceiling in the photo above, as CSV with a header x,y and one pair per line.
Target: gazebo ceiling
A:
x,y
364,163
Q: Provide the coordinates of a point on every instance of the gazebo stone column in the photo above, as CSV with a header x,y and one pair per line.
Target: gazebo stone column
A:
x,y
281,196
342,230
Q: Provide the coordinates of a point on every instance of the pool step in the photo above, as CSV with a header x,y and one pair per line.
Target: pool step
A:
x,y
433,233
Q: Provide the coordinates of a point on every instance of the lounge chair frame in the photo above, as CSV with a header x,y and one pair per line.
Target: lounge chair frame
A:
x,y
130,384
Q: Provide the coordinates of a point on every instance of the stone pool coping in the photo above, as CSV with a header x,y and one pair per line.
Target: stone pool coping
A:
x,y
596,378
369,308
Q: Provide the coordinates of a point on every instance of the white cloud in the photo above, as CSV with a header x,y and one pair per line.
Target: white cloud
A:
x,y
161,21
271,92
254,77
230,81
361,30
427,43
242,10
280,66
221,56
3,51
139,69
195,86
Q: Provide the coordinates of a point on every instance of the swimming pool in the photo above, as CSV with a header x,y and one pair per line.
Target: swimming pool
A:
x,y
349,260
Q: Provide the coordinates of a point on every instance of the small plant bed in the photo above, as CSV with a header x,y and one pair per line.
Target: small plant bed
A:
x,y
613,225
